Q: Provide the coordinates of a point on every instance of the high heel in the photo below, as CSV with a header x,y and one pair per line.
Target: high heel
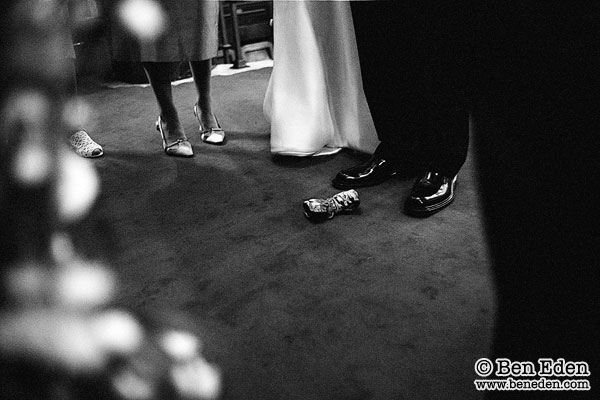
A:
x,y
214,136
179,148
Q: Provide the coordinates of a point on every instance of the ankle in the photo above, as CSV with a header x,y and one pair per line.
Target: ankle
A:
x,y
207,117
173,128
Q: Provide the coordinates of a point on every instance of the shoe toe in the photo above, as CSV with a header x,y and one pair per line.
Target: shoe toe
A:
x,y
181,149
185,149
213,137
428,199
342,175
84,146
373,172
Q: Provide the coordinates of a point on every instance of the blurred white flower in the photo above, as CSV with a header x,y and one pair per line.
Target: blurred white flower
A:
x,y
83,285
78,186
25,114
133,387
144,18
117,332
52,337
197,379
180,345
27,283
32,164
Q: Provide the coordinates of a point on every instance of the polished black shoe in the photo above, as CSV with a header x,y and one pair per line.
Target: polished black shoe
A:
x,y
430,193
372,172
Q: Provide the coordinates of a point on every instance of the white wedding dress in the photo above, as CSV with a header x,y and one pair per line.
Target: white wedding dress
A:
x,y
315,100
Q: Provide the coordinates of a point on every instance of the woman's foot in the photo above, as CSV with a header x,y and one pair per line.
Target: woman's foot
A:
x,y
210,130
84,146
174,141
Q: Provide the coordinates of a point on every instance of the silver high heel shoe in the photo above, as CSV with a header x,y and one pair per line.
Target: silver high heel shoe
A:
x,y
179,148
211,135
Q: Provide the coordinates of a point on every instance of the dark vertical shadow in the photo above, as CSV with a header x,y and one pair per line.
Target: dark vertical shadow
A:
x,y
536,140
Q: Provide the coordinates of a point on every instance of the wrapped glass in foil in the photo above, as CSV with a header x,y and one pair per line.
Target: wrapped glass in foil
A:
x,y
324,209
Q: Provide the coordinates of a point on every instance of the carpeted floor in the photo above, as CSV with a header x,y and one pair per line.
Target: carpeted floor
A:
x,y
375,305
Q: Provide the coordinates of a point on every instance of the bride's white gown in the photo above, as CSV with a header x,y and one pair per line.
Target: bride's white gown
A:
x,y
315,101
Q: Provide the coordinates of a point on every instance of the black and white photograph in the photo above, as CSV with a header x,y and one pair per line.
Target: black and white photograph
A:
x,y
299,199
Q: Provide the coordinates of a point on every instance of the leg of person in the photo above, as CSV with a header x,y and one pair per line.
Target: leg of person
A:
x,y
443,144
80,140
434,188
390,58
210,130
442,152
174,140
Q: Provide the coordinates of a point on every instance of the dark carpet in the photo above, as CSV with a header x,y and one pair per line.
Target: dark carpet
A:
x,y
375,305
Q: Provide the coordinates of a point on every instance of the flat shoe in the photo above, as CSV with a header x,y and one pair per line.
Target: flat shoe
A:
x,y
214,136
179,148
431,193
372,172
84,146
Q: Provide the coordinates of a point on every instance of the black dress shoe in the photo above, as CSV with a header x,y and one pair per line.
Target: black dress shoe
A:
x,y
430,193
372,172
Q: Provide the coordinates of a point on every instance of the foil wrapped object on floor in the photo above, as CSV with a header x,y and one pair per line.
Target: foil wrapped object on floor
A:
x,y
324,209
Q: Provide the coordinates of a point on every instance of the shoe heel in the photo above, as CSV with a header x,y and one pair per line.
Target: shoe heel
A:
x,y
160,131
